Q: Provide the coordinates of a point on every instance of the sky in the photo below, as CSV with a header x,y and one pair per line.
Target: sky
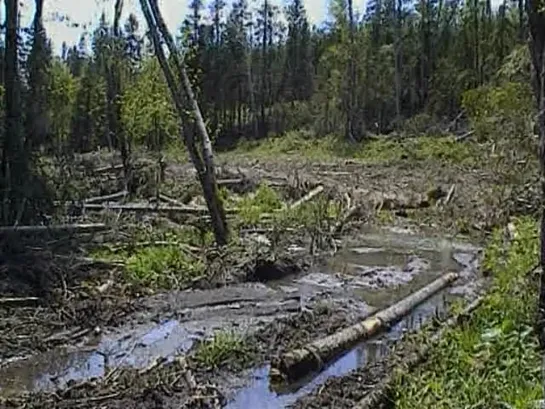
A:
x,y
174,11
89,11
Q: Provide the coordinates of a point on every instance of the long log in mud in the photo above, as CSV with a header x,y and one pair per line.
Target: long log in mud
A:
x,y
296,363
376,397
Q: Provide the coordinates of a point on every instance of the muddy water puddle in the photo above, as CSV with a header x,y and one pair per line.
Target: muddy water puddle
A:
x,y
377,270
258,392
136,347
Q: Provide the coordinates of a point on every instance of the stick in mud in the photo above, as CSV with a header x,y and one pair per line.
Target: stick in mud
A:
x,y
380,391
299,362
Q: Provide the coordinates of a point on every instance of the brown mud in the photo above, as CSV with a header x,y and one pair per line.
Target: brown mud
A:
x,y
92,340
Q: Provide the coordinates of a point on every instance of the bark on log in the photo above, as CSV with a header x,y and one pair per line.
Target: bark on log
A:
x,y
309,196
149,208
297,363
106,198
19,301
380,391
109,168
170,200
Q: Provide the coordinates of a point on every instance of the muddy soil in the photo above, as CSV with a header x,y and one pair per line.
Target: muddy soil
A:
x,y
112,349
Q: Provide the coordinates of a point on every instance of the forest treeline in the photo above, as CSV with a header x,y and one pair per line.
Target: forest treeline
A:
x,y
260,70
265,70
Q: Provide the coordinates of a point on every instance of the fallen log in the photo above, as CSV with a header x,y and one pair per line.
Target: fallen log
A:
x,y
309,196
201,210
19,301
380,391
299,362
232,182
106,198
108,168
59,228
170,200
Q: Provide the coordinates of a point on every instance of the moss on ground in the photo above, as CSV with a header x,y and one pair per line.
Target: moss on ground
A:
x,y
493,360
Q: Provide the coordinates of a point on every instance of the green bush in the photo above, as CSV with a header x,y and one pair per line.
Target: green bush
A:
x,y
497,112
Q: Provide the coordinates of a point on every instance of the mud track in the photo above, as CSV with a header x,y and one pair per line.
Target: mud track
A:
x,y
120,349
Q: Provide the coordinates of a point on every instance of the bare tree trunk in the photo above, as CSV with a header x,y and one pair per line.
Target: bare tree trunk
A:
x,y
351,75
536,17
14,157
248,62
264,69
521,20
204,164
397,58
116,131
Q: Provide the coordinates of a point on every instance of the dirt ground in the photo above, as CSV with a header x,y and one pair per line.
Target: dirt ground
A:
x,y
59,299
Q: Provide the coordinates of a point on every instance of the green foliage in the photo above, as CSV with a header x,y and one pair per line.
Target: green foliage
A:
x,y
493,360
63,89
500,111
381,150
517,66
316,214
160,257
225,347
163,266
253,206
147,110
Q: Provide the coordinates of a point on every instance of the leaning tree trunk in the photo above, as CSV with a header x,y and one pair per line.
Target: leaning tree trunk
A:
x,y
204,164
536,17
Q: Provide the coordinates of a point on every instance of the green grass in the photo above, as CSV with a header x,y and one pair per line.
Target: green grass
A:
x,y
159,258
492,361
306,145
224,348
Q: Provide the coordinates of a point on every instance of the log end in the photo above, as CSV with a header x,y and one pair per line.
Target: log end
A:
x,y
294,364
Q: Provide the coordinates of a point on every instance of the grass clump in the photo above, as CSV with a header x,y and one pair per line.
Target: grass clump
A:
x,y
163,266
159,258
493,360
251,207
224,348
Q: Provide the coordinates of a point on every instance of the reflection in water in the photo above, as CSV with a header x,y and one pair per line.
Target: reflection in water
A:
x,y
258,394
56,368
50,370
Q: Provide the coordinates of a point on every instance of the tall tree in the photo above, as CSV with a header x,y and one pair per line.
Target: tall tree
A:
x,y
39,62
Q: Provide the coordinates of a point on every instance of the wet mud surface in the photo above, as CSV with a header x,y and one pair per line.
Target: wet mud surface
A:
x,y
116,350
274,317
